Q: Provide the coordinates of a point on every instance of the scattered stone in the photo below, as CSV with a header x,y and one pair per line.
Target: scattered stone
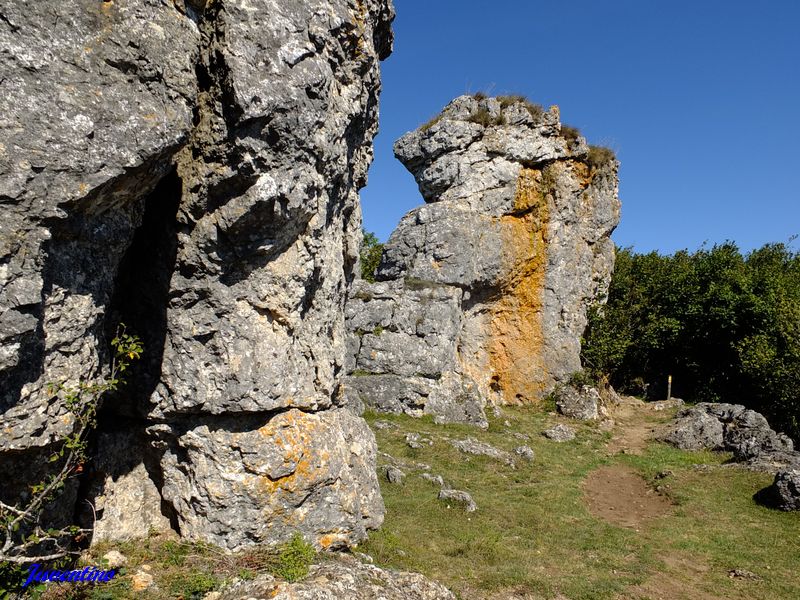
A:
x,y
436,479
664,474
384,424
525,452
345,578
394,475
582,404
414,440
784,493
521,436
459,496
115,559
142,580
212,596
559,433
743,574
364,557
473,446
660,405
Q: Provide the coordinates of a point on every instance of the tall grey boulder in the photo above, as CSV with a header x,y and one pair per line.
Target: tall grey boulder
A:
x,y
191,168
514,234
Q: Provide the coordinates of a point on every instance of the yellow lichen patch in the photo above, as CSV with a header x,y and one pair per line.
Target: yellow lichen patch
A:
x,y
529,190
293,433
518,371
331,539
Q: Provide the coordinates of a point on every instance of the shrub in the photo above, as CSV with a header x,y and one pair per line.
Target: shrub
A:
x,y
294,559
371,253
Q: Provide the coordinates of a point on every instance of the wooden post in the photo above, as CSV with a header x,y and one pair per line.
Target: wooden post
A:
x,y
669,387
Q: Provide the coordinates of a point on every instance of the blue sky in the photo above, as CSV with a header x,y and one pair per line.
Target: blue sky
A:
x,y
700,100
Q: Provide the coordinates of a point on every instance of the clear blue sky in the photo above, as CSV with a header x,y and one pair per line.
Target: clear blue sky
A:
x,y
700,100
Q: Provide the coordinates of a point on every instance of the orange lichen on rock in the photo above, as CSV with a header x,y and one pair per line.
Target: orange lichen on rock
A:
x,y
292,433
516,338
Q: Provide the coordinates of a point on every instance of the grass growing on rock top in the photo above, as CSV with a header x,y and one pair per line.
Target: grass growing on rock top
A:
x,y
534,534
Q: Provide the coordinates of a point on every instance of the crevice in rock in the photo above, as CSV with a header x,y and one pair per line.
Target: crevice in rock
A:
x,y
141,294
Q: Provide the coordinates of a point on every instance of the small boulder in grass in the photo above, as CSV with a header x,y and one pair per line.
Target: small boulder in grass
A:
x,y
559,433
784,493
394,475
460,497
525,452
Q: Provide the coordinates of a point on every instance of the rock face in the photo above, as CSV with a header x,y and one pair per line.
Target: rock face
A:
x,y
732,427
343,578
509,251
191,169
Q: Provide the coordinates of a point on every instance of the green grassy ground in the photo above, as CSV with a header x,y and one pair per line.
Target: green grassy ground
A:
x,y
534,534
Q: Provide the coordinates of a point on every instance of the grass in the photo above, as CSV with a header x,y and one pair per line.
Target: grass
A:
x,y
535,110
183,569
570,133
533,532
600,156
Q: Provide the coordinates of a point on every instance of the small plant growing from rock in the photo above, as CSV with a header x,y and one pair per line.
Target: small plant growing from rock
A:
x,y
23,538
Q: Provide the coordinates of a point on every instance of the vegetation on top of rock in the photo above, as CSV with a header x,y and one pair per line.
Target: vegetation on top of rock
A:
x,y
483,117
570,133
599,156
725,325
536,111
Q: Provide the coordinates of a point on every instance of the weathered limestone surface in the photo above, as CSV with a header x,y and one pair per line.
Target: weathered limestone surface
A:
x,y
340,579
192,169
512,246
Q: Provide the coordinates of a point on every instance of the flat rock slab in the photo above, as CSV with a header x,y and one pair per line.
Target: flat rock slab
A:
x,y
621,497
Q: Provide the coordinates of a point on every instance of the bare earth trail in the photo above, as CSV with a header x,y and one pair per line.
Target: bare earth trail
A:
x,y
621,496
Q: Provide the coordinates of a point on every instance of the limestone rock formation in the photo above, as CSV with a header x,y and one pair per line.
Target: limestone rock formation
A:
x,y
191,168
734,428
509,251
345,578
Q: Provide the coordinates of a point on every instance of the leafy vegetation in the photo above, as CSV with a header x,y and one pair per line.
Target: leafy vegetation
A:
x,y
534,534
371,252
726,326
24,538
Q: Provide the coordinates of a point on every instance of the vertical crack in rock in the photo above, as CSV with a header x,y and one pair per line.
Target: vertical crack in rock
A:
x,y
509,251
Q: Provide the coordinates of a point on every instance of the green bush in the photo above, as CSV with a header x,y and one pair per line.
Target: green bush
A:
x,y
294,559
726,326
371,252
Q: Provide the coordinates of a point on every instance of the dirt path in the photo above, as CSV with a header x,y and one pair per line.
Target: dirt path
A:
x,y
620,496
636,423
